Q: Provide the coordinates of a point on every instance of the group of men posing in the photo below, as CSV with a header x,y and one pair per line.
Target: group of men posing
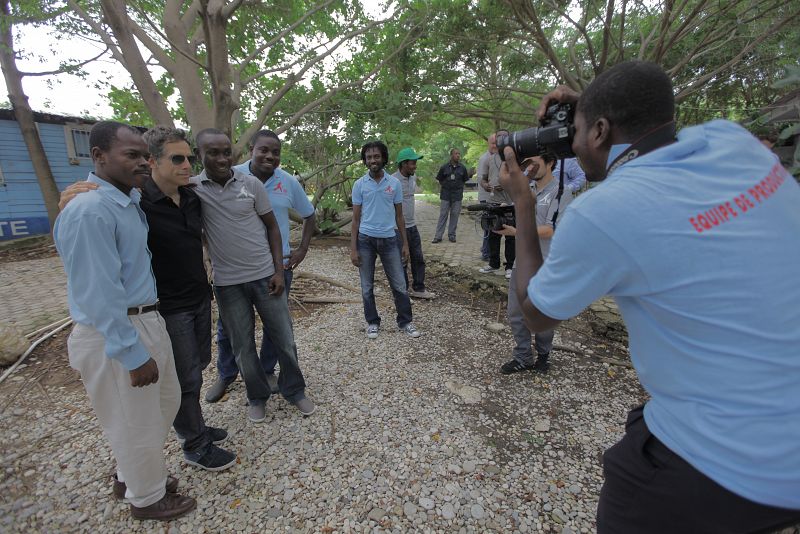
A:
x,y
131,239
714,450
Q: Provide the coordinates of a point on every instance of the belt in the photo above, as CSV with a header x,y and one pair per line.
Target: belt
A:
x,y
138,310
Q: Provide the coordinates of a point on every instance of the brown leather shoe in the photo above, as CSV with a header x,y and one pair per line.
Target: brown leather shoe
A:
x,y
171,506
119,488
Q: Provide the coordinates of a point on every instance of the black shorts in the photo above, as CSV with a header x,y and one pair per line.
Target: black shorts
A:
x,y
649,489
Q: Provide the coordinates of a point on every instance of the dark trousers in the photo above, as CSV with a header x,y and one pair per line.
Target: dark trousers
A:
x,y
236,305
648,488
226,363
485,242
190,335
416,260
451,209
369,249
494,251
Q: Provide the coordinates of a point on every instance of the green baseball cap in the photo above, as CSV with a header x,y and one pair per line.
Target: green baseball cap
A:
x,y
407,154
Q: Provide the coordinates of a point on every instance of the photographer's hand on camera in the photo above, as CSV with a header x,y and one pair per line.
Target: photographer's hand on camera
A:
x,y
560,95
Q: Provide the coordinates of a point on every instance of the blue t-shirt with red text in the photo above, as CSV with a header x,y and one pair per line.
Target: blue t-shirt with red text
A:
x,y
699,244
377,201
284,192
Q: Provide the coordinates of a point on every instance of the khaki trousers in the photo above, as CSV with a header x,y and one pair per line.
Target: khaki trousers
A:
x,y
135,420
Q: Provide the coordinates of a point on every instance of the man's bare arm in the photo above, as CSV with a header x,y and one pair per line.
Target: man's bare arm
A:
x,y
299,254
354,225
276,248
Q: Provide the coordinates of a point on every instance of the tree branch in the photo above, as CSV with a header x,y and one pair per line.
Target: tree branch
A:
x,y
164,59
286,31
67,68
689,89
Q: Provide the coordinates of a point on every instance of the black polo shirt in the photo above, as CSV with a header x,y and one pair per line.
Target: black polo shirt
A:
x,y
175,241
452,179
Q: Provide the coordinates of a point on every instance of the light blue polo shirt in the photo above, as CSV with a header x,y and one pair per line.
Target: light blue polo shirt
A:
x,y
377,201
699,243
284,192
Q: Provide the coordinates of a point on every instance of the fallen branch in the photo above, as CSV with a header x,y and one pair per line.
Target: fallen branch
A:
x,y
326,279
297,301
330,300
30,350
612,361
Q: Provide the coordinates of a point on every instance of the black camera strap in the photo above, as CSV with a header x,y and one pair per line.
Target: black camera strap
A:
x,y
656,138
558,195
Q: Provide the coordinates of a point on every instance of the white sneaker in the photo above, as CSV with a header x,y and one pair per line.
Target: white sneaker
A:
x,y
372,331
508,274
488,269
411,330
421,294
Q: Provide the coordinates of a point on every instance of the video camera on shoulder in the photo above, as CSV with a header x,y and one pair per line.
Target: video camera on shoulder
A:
x,y
494,216
554,135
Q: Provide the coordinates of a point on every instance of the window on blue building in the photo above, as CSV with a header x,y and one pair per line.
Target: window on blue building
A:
x,y
77,137
80,140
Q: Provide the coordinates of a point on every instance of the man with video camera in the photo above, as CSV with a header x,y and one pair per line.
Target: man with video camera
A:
x,y
696,238
490,182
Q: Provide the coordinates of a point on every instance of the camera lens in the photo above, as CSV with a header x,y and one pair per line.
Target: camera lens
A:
x,y
524,142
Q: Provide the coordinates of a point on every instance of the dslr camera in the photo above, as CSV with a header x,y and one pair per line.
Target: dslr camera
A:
x,y
554,135
494,216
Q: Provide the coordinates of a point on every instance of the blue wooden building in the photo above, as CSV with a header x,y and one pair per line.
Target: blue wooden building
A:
x,y
66,142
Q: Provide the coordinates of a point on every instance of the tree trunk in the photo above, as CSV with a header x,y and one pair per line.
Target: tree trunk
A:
x,y
115,13
24,116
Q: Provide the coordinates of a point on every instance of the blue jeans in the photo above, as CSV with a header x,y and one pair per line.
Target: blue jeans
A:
x,y
236,305
416,259
369,249
226,363
190,335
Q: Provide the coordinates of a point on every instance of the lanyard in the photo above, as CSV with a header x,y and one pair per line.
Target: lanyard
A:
x,y
660,136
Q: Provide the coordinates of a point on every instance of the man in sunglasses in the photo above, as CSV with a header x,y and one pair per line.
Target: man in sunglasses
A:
x,y
174,222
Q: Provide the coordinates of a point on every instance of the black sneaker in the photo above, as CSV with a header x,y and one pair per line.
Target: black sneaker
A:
x,y
437,240
542,363
213,458
515,367
218,435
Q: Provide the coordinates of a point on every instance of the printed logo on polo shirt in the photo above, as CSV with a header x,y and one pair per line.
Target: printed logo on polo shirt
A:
x,y
389,190
244,194
279,188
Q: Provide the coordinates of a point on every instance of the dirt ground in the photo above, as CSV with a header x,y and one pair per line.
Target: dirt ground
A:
x,y
44,413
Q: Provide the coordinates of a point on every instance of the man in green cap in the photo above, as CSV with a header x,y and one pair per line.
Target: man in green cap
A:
x,y
406,167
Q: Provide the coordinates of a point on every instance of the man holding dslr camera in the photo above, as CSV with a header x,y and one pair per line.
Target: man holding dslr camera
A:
x,y
552,196
696,237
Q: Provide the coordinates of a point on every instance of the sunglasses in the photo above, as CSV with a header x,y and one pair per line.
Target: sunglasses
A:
x,y
178,159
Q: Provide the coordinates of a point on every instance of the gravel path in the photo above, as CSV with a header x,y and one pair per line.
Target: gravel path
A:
x,y
410,435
